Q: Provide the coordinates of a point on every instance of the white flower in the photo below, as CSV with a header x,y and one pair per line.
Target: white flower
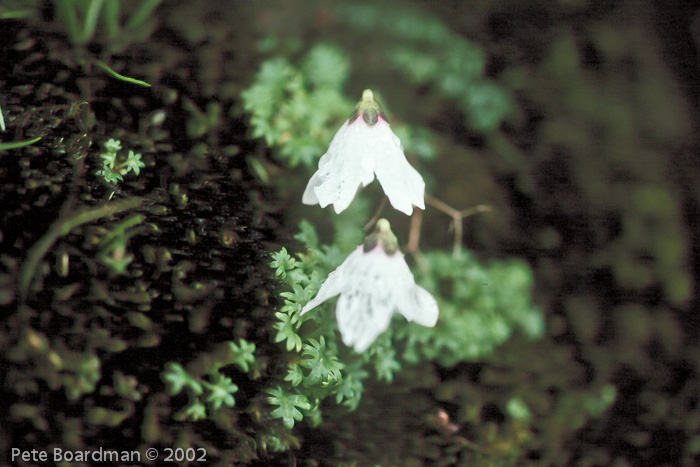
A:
x,y
373,282
364,147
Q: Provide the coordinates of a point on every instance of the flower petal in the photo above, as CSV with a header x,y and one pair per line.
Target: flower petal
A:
x,y
412,301
366,306
362,317
423,308
337,280
309,196
402,183
347,165
338,191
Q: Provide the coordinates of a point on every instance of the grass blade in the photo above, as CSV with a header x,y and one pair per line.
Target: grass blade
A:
x,y
106,68
18,144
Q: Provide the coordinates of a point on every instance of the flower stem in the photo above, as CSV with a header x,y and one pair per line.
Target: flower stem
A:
x,y
376,214
414,240
457,217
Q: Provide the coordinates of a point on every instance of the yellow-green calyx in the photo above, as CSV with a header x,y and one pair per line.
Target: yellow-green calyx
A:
x,y
368,108
383,236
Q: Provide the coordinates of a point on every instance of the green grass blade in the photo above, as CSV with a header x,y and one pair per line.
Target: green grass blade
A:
x,y
106,68
91,20
62,227
142,13
17,14
18,144
111,18
66,9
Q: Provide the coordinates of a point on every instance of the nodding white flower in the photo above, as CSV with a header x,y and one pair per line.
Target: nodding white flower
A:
x,y
364,147
373,282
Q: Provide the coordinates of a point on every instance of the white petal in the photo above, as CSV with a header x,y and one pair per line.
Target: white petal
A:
x,y
363,316
424,307
338,280
365,308
309,196
402,184
345,167
330,288
412,301
338,191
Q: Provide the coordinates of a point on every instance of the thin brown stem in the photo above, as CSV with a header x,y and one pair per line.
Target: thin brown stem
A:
x,y
456,221
459,234
475,210
414,233
375,216
414,240
457,218
441,206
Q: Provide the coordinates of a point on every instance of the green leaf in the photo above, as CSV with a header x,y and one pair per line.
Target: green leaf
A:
x,y
288,406
486,104
113,145
298,111
177,378
386,365
133,162
283,262
326,66
244,353
299,297
221,392
294,374
351,388
325,367
481,306
286,331
194,411
313,415
307,235
108,159
109,175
